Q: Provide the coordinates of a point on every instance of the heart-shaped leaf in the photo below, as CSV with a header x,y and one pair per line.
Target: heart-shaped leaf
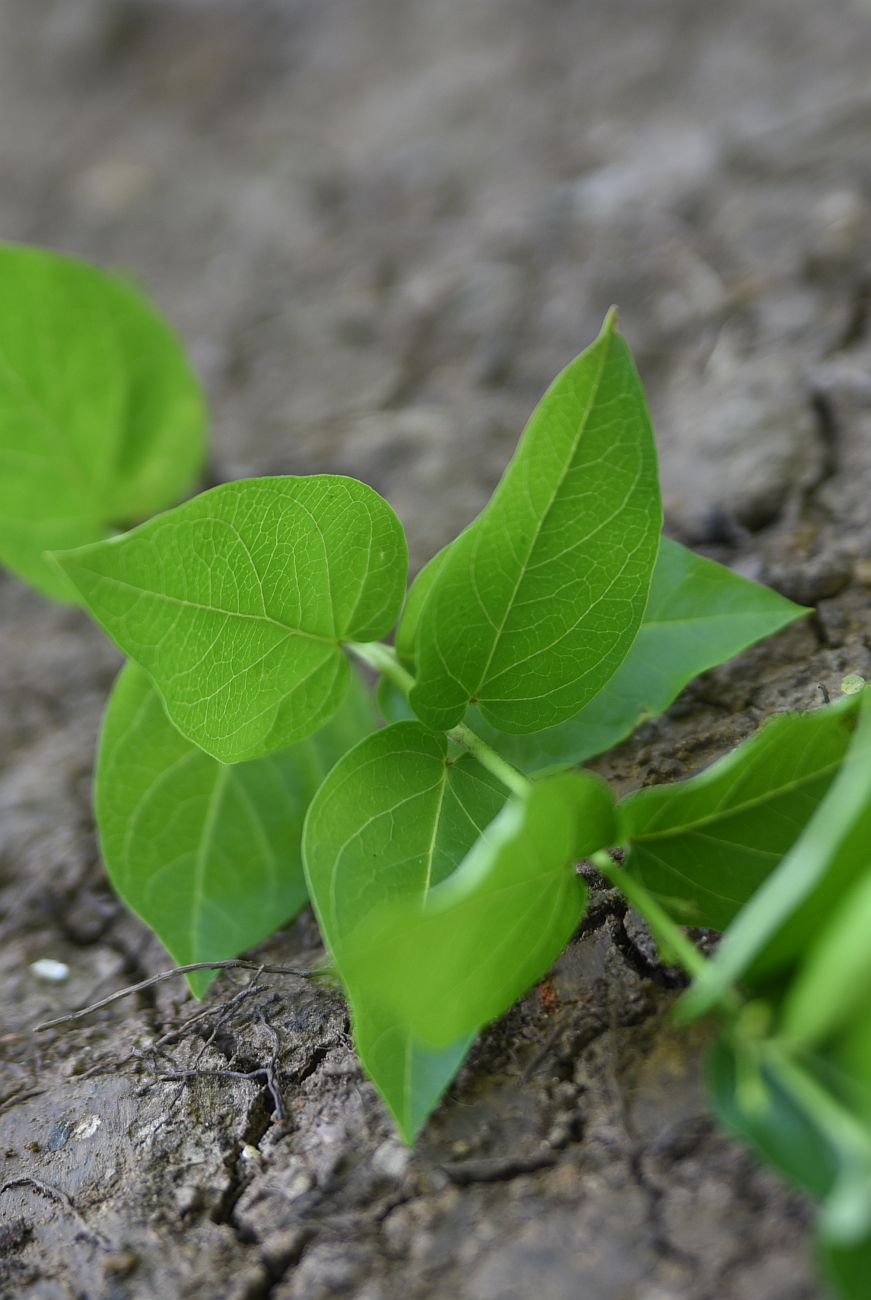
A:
x,y
394,817
101,418
450,960
237,603
207,855
410,1077
535,606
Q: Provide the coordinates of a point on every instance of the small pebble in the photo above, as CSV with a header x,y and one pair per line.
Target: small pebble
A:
x,y
50,971
852,684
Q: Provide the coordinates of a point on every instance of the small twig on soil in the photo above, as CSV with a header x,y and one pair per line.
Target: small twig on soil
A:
x,y
234,964
266,1074
16,1098
54,1194
222,1012
271,1070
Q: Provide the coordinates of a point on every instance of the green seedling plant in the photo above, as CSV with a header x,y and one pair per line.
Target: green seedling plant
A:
x,y
436,823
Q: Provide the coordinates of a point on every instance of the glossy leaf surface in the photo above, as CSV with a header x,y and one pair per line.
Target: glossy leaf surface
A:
x,y
101,418
704,846
394,817
208,855
455,958
537,603
237,604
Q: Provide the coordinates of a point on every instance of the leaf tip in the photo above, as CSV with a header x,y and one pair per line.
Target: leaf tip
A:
x,y
611,323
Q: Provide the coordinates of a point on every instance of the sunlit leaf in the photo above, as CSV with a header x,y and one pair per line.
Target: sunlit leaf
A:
x,y
406,632
537,603
698,615
237,603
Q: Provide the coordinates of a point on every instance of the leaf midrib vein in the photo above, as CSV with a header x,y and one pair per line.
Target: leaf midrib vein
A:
x,y
215,609
542,517
721,814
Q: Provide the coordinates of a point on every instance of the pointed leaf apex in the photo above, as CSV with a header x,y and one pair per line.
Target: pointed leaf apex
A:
x,y
611,323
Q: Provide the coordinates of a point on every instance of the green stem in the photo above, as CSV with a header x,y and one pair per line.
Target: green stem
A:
x,y
668,935
516,782
384,660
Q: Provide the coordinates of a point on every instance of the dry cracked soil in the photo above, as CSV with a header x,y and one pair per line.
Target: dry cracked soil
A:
x,y
381,228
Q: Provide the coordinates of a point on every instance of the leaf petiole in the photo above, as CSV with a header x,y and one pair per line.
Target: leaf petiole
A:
x,y
516,782
670,937
384,660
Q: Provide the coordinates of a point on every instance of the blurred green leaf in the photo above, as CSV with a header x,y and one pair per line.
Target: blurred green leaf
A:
x,y
705,845
101,418
750,1102
791,906
833,982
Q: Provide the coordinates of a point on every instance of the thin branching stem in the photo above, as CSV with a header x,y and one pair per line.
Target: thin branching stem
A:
x,y
383,659
234,963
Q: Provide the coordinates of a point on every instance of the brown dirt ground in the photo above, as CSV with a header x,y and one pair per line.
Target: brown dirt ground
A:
x,y
382,227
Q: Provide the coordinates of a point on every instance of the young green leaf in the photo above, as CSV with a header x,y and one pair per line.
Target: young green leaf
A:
x,y
207,855
101,418
847,1267
409,1076
780,920
406,632
704,846
395,816
537,603
451,959
751,1102
787,1112
237,604
698,615
834,980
